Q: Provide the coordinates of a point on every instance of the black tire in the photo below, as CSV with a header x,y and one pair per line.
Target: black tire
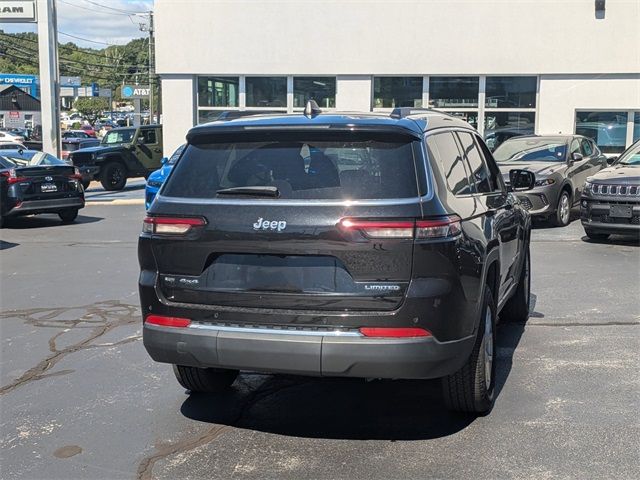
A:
x,y
517,307
85,184
562,217
68,216
596,235
469,390
113,176
204,380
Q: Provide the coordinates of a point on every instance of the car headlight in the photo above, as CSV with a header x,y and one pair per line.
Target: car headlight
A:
x,y
588,186
544,182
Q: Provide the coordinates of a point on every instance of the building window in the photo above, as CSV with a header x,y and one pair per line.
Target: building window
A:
x,y
471,117
607,129
503,125
453,92
392,92
218,91
511,92
266,92
320,89
636,126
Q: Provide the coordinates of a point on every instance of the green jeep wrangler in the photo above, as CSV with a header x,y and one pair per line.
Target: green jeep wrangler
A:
x,y
123,153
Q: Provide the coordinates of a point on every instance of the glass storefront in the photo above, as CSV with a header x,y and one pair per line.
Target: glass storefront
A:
x,y
470,117
607,129
392,92
453,92
218,91
500,126
320,89
266,92
636,126
511,92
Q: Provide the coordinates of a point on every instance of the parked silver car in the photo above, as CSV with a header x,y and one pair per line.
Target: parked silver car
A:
x,y
561,164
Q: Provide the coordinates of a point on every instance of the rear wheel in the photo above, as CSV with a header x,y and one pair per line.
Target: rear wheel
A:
x,y
204,380
563,210
596,235
471,389
517,307
68,216
113,176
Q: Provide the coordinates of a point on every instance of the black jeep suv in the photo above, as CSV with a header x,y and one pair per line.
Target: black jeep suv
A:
x,y
355,245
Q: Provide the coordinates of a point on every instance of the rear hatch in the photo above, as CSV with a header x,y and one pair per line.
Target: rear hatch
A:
x,y
45,182
284,213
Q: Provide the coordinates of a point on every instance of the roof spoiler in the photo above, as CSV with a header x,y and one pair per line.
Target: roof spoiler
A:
x,y
402,112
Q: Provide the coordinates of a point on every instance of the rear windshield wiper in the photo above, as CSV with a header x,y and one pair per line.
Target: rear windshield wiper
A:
x,y
260,191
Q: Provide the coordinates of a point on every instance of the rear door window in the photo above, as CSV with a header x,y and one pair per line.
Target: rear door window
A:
x,y
444,148
480,177
587,149
301,165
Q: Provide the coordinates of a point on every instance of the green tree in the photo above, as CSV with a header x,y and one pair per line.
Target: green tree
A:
x,y
91,105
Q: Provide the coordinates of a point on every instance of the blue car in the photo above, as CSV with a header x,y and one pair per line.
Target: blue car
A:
x,y
157,178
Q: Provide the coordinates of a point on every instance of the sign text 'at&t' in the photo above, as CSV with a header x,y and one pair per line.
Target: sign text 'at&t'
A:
x,y
135,91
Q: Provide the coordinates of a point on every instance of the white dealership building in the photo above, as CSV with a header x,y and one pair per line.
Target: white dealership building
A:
x,y
507,66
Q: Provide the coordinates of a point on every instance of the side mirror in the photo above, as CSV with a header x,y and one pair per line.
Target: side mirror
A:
x,y
576,156
521,180
611,160
164,160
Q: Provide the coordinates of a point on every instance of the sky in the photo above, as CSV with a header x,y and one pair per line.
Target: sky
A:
x,y
101,21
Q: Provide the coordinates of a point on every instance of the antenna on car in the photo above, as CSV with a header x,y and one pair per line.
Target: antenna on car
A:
x,y
311,109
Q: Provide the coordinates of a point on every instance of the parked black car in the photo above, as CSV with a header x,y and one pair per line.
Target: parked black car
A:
x,y
123,153
561,163
611,199
35,182
355,245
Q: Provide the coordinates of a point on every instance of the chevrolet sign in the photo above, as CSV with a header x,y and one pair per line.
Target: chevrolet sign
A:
x,y
135,91
18,11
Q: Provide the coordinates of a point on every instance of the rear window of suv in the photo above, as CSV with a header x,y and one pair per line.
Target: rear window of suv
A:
x,y
306,165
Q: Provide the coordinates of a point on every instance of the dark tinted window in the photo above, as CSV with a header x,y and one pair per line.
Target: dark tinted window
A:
x,y
444,148
266,91
494,171
454,92
587,149
218,91
511,92
392,92
320,89
478,170
301,165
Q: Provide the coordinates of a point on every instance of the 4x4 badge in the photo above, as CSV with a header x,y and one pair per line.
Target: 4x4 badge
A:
x,y
263,224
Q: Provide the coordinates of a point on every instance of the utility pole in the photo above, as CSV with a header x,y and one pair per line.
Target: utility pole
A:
x,y
49,76
150,30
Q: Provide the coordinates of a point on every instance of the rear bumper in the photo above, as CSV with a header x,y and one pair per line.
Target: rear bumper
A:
x,y
30,207
306,354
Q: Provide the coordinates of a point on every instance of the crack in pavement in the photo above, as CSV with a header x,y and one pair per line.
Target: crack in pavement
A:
x,y
101,318
265,390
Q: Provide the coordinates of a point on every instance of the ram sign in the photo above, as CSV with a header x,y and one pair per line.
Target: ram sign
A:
x,y
18,11
135,91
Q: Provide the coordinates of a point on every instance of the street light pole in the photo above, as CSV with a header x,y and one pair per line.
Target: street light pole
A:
x,y
49,76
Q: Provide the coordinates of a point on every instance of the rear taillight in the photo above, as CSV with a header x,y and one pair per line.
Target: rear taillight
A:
x,y
12,177
176,322
383,332
171,225
405,229
76,175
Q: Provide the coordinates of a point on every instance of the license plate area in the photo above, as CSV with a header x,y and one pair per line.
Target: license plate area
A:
x,y
621,211
48,187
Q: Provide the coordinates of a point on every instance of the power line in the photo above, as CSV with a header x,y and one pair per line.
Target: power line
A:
x,y
88,40
27,51
93,10
70,49
112,8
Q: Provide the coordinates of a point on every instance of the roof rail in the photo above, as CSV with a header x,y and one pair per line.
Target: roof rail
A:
x,y
401,112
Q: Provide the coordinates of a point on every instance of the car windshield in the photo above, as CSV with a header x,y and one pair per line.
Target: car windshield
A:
x,y
33,158
631,156
119,136
531,150
349,166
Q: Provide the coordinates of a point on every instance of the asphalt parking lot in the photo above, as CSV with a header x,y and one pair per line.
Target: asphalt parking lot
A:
x,y
81,399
